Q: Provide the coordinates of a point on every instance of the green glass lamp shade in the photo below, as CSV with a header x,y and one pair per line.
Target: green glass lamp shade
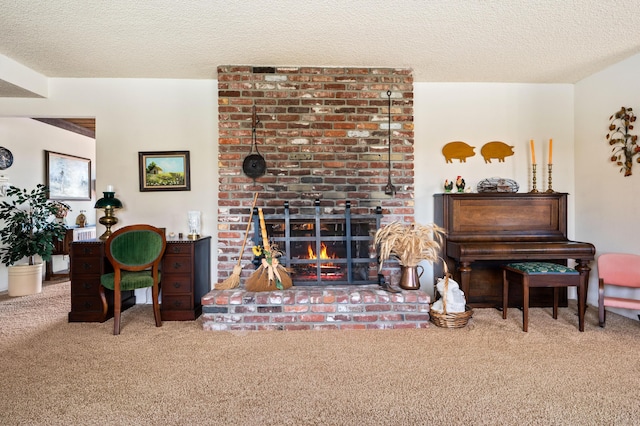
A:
x,y
109,203
109,200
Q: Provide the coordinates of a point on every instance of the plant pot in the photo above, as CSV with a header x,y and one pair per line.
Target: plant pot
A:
x,y
25,279
410,278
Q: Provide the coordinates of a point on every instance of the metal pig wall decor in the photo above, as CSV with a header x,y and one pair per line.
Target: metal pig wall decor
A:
x,y
457,150
496,149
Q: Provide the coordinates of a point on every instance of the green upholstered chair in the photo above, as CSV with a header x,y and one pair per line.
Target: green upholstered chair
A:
x,y
135,252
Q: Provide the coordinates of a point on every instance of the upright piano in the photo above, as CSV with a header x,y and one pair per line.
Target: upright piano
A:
x,y
486,230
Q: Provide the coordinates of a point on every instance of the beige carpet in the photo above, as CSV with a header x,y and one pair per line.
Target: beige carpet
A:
x,y
489,373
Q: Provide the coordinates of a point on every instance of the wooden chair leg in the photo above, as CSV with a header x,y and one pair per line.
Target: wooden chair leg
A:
x,y
601,310
602,315
556,292
525,304
117,307
156,305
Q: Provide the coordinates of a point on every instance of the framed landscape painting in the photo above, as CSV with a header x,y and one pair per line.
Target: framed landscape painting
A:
x,y
164,171
67,177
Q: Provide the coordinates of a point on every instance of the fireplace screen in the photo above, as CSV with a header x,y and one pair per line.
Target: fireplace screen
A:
x,y
325,249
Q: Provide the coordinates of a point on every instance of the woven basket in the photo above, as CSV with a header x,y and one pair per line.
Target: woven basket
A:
x,y
450,320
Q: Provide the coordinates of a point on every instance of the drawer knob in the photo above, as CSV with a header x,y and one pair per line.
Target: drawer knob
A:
x,y
87,305
177,285
86,285
177,303
86,266
175,249
177,265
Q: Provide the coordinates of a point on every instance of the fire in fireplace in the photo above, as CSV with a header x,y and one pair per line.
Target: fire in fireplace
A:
x,y
324,249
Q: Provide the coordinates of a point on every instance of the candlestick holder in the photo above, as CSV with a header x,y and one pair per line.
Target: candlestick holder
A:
x,y
549,186
534,189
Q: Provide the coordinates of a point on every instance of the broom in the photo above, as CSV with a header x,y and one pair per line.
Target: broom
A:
x,y
234,279
271,275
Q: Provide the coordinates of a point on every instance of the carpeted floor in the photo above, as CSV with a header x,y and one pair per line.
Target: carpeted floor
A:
x,y
489,373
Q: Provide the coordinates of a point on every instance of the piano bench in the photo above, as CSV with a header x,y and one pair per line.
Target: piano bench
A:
x,y
542,274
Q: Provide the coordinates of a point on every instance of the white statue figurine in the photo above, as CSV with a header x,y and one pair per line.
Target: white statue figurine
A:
x,y
454,297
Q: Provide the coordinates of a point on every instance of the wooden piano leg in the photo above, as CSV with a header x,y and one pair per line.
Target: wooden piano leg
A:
x,y
582,266
465,278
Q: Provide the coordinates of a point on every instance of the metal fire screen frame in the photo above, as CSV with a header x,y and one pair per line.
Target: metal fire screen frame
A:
x,y
317,239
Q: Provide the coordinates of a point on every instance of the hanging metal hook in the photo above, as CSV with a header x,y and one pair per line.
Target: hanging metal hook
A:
x,y
389,189
255,123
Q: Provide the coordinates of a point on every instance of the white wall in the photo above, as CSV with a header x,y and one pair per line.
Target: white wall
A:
x,y
607,202
27,139
145,115
478,113
142,115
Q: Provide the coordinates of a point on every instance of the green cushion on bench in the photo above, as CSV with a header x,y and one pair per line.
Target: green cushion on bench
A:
x,y
542,268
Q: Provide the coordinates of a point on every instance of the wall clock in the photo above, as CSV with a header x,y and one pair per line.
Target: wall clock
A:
x,y
6,158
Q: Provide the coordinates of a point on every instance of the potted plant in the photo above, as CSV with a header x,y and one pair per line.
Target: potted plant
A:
x,y
410,244
29,229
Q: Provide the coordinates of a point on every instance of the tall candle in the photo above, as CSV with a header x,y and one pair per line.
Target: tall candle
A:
x,y
109,188
533,152
550,151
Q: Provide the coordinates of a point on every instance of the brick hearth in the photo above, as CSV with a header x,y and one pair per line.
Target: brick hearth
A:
x,y
315,308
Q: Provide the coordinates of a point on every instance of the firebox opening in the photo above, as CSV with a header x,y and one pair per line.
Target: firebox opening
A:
x,y
326,249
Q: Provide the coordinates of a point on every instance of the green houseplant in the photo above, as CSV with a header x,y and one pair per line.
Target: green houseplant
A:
x,y
29,228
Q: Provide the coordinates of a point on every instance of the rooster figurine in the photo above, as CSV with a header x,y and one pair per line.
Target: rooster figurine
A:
x,y
448,186
460,184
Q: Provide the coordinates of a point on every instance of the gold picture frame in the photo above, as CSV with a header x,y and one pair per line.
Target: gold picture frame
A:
x,y
164,171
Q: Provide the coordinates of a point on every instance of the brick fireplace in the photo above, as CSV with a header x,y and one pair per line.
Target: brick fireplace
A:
x,y
325,135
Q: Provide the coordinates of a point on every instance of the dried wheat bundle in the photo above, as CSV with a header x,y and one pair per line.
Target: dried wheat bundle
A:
x,y
270,275
409,243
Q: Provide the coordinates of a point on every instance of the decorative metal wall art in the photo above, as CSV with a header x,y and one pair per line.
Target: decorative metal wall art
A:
x,y
624,144
458,150
496,149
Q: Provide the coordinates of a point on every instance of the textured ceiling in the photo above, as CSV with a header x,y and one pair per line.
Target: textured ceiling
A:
x,y
537,41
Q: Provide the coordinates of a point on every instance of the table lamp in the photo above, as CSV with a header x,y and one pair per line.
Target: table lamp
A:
x,y
109,203
194,225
